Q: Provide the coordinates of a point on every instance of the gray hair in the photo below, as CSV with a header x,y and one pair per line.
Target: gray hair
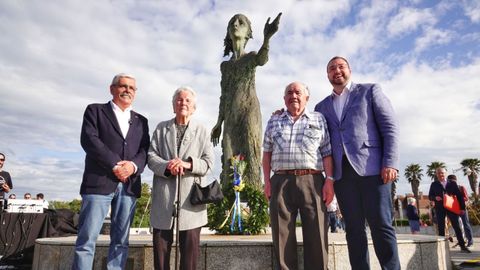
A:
x,y
411,200
119,76
186,89
304,88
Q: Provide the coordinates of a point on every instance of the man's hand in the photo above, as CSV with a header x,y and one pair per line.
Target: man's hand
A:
x,y
123,170
267,189
327,191
5,187
388,174
278,112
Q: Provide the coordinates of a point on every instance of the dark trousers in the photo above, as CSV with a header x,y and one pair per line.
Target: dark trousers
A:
x,y
467,228
441,213
189,248
367,198
292,195
332,221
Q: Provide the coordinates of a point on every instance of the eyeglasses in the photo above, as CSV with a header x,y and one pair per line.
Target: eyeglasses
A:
x,y
126,86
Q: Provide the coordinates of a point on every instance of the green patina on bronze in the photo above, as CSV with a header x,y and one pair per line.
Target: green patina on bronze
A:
x,y
239,110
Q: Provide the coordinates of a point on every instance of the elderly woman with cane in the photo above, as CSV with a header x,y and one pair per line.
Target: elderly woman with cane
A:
x,y
180,153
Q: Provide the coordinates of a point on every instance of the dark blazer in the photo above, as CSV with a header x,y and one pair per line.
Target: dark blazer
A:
x,y
436,189
104,145
367,132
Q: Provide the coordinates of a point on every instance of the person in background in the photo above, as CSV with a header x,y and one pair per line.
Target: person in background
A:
x,y
45,203
12,196
180,150
332,210
297,149
465,220
412,215
5,179
27,196
115,140
435,194
364,135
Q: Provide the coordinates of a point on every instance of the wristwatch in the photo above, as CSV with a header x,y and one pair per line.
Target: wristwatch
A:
x,y
330,178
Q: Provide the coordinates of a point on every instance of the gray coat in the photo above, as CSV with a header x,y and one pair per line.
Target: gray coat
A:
x,y
196,146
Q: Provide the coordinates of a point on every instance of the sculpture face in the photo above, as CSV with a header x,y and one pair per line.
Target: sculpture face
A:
x,y
238,27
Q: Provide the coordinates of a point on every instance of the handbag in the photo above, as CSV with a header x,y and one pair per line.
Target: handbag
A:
x,y
203,195
450,203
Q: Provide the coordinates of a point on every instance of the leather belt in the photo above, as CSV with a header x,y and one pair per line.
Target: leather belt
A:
x,y
298,172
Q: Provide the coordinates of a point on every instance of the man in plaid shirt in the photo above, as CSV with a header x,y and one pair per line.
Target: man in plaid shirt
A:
x,y
297,149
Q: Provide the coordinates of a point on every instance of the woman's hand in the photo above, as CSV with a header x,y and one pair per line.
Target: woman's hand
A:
x,y
178,166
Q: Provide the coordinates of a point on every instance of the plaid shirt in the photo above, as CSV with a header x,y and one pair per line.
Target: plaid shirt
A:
x,y
297,145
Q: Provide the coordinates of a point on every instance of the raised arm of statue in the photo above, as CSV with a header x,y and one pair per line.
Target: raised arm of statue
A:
x,y
269,30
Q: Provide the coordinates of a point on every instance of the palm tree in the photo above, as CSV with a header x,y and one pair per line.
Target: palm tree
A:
x,y
431,169
413,173
471,168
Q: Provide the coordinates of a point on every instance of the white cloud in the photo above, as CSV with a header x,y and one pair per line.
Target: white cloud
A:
x,y
432,37
409,19
472,9
57,57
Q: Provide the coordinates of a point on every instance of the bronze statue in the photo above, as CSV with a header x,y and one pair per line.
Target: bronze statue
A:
x,y
239,107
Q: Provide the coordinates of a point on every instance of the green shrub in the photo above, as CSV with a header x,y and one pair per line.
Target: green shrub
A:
x,y
425,218
255,216
400,222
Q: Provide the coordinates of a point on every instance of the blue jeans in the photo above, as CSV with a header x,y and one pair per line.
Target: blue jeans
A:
x,y
92,214
467,228
332,221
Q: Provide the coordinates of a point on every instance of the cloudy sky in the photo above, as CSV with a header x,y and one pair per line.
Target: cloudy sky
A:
x,y
56,57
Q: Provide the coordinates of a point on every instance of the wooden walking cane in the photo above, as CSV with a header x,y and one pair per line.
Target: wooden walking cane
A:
x,y
175,220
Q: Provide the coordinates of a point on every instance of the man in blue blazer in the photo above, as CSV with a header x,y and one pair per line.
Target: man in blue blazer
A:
x,y
116,140
364,138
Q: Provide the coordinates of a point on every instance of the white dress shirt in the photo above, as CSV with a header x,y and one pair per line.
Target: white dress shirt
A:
x,y
339,101
123,118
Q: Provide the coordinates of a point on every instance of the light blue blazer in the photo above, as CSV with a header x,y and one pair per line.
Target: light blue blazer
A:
x,y
367,132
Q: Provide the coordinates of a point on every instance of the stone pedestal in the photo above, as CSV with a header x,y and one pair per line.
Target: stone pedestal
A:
x,y
243,252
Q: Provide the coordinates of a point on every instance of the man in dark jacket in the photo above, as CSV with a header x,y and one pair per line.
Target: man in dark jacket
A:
x,y
437,190
412,215
115,139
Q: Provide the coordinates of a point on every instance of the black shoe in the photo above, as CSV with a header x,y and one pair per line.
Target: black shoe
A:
x,y
450,239
465,249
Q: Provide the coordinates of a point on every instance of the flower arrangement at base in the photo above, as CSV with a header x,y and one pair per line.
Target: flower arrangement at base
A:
x,y
244,209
